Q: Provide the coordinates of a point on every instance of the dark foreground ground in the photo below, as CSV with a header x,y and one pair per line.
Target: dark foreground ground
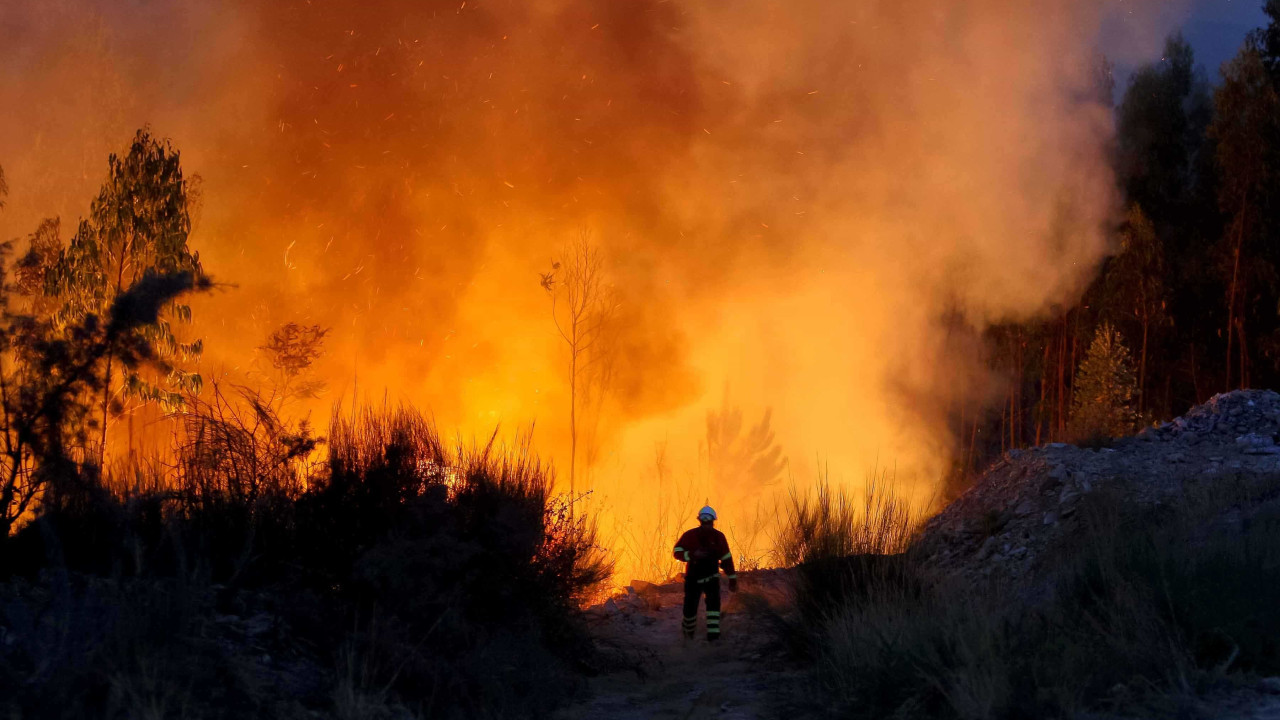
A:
x,y
659,674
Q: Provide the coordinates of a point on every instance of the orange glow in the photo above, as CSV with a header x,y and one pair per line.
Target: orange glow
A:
x,y
789,194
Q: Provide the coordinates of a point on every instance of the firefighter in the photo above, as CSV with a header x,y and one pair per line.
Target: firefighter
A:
x,y
705,551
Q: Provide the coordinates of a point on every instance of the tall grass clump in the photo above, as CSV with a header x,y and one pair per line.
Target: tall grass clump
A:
x,y
845,544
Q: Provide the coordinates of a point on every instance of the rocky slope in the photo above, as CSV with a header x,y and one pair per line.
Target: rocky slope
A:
x,y
1029,499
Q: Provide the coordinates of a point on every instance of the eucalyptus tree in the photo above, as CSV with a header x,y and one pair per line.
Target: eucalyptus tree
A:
x,y
138,226
1246,130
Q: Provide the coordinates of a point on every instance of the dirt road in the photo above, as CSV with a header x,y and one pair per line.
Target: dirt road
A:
x,y
736,678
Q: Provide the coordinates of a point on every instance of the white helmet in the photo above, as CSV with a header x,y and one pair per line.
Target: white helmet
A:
x,y
707,513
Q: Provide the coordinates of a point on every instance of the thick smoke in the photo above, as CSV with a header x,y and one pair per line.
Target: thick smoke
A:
x,y
799,201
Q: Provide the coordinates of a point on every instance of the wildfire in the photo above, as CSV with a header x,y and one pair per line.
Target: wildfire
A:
x,y
786,198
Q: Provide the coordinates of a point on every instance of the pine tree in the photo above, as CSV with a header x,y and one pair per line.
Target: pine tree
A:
x,y
1105,387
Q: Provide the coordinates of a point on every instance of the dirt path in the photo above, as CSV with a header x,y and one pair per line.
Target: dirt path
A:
x,y
670,677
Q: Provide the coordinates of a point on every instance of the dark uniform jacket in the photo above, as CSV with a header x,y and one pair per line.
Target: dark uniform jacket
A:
x,y
705,551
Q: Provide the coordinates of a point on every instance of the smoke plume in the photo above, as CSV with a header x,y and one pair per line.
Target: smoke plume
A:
x,y
798,202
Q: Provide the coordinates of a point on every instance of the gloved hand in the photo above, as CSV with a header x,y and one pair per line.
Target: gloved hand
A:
x,y
733,585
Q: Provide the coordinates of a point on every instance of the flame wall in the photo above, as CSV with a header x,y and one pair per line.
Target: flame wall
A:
x,y
791,195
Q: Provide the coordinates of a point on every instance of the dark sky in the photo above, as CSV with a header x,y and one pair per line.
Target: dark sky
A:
x,y
1215,29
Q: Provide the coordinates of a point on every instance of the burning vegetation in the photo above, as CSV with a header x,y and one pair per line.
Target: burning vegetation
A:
x,y
795,213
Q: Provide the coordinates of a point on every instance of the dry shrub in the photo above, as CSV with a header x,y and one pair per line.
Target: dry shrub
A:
x,y
472,566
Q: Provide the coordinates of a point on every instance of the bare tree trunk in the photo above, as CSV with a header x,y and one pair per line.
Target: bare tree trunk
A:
x,y
1044,382
1168,392
106,404
1014,400
573,424
973,441
106,389
1020,418
1142,367
1005,423
1244,354
1075,345
1195,379
1231,294
1060,407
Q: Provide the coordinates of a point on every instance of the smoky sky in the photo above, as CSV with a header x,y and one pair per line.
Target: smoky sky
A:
x,y
790,196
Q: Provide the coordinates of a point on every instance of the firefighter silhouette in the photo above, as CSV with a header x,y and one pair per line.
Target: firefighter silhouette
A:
x,y
705,552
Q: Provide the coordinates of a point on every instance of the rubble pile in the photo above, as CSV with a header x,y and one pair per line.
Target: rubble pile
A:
x,y
1029,498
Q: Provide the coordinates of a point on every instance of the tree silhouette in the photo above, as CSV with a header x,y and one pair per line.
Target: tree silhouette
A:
x,y
1267,39
582,307
137,226
747,462
1159,129
48,376
1246,129
1135,284
292,349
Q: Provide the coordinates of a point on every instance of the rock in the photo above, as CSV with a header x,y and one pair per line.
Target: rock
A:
x,y
641,587
988,546
1059,472
1025,508
1257,444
